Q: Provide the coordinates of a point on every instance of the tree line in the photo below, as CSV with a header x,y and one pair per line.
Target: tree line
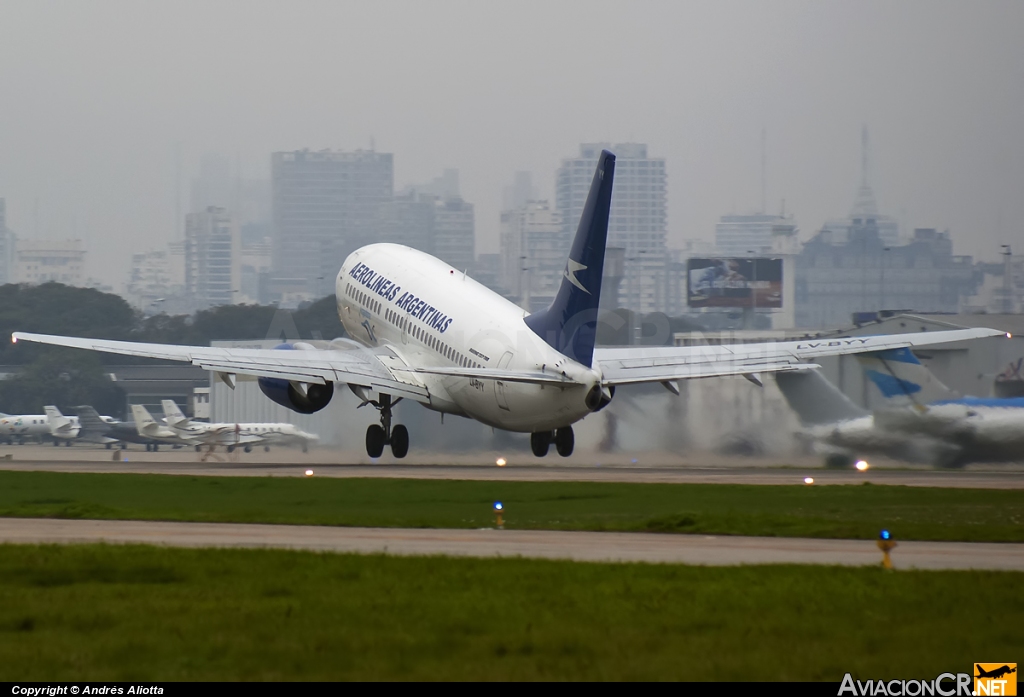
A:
x,y
44,375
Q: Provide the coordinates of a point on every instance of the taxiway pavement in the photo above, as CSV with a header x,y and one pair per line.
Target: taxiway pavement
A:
x,y
572,545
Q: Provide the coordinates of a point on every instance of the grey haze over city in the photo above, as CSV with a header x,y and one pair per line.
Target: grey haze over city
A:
x,y
109,107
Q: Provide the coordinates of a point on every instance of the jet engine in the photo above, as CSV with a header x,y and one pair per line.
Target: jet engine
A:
x,y
298,396
599,397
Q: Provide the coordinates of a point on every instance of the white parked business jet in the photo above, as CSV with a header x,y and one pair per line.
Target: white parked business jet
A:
x,y
70,428
15,428
242,435
424,331
62,428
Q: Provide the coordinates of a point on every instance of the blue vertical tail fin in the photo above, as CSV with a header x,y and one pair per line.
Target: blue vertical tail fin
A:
x,y
569,325
902,379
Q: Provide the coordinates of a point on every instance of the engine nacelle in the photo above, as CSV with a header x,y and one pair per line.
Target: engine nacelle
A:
x,y
599,397
300,397
297,396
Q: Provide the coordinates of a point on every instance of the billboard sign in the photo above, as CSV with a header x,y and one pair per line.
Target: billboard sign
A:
x,y
734,282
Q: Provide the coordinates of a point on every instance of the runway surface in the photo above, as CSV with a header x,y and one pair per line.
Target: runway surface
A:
x,y
578,546
994,478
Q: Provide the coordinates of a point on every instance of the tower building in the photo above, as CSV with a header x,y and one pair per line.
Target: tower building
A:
x,y
638,215
325,205
212,251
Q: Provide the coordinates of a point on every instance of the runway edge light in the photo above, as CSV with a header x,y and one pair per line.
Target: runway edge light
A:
x,y
886,544
499,510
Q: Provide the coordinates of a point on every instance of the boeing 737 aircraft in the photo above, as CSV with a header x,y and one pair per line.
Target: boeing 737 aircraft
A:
x,y
424,331
922,419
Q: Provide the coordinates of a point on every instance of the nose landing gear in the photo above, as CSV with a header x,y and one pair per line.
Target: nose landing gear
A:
x,y
379,436
563,438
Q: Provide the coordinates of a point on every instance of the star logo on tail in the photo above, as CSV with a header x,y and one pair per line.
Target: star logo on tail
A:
x,y
570,274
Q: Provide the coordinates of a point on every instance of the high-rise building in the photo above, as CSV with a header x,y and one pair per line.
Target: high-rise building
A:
x,y
408,219
212,255
519,193
862,274
454,233
40,261
151,282
746,235
325,205
534,246
442,227
865,209
6,245
638,215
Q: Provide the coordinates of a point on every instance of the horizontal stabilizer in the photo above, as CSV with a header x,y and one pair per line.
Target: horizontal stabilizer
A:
x,y
815,400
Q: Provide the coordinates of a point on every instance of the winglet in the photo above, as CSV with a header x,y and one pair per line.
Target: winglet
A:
x,y
569,325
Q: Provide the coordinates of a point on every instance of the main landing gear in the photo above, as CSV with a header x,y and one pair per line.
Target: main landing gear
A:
x,y
379,436
563,439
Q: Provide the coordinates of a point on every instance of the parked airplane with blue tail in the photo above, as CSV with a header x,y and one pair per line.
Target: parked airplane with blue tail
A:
x,y
922,420
424,331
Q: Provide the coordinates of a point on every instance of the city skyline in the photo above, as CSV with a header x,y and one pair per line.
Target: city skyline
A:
x,y
104,129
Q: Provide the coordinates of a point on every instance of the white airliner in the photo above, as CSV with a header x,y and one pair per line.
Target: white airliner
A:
x,y
423,331
921,420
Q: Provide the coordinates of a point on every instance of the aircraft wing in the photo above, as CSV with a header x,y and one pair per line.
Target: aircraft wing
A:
x,y
663,363
352,366
535,377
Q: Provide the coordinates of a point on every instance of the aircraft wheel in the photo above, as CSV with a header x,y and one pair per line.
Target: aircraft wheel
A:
x,y
109,446
399,441
247,448
565,441
231,448
67,444
199,448
375,441
156,447
56,442
540,442
266,449
124,446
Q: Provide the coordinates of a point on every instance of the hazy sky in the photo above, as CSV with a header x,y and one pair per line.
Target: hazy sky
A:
x,y
95,95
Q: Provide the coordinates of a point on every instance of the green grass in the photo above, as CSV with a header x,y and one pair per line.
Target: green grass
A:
x,y
96,612
792,511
